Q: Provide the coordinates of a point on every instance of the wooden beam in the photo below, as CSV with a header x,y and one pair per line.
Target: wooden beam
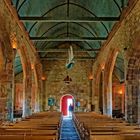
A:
x,y
83,19
68,39
65,58
66,50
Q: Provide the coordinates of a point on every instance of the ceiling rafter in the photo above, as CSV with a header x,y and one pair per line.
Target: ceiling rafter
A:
x,y
86,28
119,69
65,58
122,3
50,29
45,43
70,39
18,72
62,23
46,14
66,50
71,4
121,59
117,76
55,48
21,5
91,14
17,2
117,5
89,27
18,65
68,6
68,20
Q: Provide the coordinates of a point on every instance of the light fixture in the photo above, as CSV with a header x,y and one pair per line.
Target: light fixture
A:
x,y
43,78
120,92
102,66
90,77
14,46
67,79
32,66
13,41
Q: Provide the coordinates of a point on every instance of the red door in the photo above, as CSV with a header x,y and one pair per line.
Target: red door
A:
x,y
64,104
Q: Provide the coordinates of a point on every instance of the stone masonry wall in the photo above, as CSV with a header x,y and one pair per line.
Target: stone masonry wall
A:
x,y
79,87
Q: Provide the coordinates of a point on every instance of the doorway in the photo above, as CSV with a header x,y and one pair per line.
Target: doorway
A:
x,y
65,101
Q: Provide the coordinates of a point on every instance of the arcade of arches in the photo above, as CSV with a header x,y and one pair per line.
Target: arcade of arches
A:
x,y
34,82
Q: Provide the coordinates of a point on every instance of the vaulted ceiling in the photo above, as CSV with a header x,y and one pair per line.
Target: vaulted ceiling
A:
x,y
85,23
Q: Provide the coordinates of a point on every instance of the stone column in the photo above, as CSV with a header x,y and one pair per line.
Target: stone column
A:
x,y
129,103
6,95
104,95
9,104
90,94
125,88
123,102
39,86
8,82
109,97
135,102
41,97
13,83
27,96
44,96
37,108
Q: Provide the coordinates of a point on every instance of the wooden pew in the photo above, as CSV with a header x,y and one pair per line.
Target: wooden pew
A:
x,y
22,137
40,126
99,127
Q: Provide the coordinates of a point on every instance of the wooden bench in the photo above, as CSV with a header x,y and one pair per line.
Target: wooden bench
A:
x,y
40,126
94,126
22,137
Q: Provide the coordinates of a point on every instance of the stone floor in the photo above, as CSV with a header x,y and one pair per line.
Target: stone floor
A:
x,y
68,130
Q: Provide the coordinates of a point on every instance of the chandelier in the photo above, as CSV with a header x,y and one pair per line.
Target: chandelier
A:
x,y
67,79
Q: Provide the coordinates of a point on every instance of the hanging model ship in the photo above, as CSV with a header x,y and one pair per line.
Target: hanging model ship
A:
x,y
70,61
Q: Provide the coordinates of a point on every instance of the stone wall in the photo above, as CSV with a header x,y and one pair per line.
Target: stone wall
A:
x,y
79,87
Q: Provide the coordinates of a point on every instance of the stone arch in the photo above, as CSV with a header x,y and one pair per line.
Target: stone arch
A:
x,y
109,66
97,88
23,59
32,66
26,65
37,71
67,91
63,105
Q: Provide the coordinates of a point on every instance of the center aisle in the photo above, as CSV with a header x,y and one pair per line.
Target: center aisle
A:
x,y
68,130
